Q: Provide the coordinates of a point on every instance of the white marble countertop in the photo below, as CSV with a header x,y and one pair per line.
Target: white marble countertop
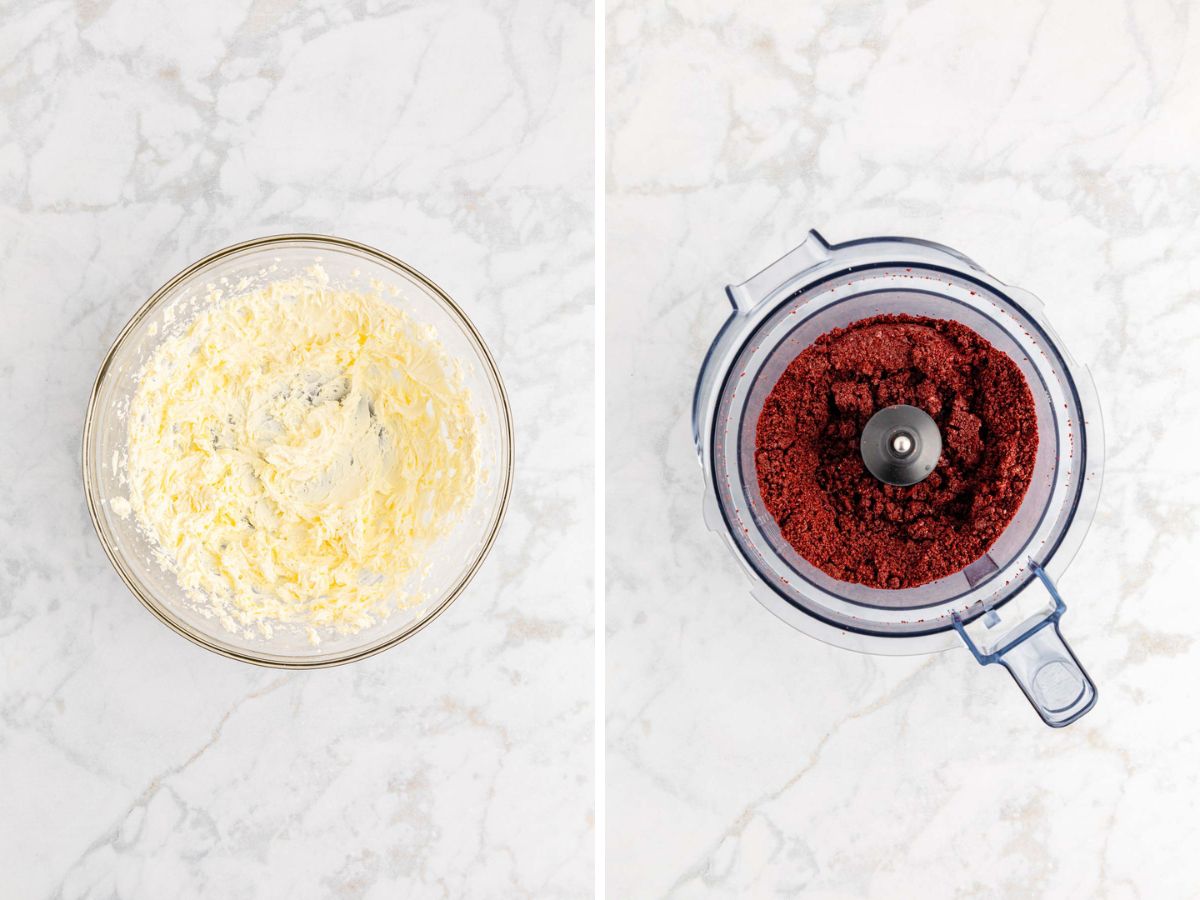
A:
x,y
1053,142
137,136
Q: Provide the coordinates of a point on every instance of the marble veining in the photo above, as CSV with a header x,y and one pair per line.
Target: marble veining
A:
x,y
1053,142
137,136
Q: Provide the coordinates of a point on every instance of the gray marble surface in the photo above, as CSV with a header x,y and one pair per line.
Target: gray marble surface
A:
x,y
138,136
1053,142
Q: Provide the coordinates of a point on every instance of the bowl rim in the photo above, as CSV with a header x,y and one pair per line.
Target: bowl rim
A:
x,y
90,480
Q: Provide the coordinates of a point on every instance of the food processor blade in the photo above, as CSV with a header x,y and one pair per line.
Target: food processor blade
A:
x,y
900,445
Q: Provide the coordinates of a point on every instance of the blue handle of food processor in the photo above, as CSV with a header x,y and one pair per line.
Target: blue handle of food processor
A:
x,y
1041,662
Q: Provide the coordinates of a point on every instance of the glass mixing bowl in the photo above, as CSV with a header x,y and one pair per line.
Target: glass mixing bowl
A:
x,y
455,558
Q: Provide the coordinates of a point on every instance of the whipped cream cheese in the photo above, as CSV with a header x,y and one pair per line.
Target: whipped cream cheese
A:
x,y
296,451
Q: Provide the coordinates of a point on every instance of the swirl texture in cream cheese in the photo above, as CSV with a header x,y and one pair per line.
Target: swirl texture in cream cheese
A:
x,y
296,451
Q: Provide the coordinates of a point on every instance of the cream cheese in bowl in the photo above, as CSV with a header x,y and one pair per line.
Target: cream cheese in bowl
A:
x,y
305,465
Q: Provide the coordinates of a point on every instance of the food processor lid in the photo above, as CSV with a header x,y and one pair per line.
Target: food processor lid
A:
x,y
819,287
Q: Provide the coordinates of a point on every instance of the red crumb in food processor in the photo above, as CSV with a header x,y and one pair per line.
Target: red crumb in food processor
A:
x,y
841,518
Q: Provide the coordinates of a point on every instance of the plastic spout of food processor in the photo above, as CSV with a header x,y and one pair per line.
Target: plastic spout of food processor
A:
x,y
1039,660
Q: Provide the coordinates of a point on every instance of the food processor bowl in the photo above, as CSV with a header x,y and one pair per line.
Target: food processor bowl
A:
x,y
1001,605
452,561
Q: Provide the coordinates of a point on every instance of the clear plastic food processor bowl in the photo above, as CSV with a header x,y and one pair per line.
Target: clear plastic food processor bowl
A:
x,y
1004,606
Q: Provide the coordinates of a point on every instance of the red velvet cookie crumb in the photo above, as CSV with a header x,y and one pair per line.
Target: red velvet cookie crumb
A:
x,y
834,512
